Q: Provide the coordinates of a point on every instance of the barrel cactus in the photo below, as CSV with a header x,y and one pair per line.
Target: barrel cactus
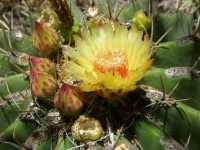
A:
x,y
100,74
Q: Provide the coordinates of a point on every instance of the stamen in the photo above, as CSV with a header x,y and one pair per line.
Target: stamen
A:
x,y
115,62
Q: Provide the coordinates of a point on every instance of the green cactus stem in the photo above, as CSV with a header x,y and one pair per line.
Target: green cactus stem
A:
x,y
12,84
18,131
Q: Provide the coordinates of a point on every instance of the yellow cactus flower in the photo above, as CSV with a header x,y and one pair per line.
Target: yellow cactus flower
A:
x,y
109,60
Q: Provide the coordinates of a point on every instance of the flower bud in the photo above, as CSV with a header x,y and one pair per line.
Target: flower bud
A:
x,y
45,39
86,129
68,101
43,65
43,85
49,17
141,21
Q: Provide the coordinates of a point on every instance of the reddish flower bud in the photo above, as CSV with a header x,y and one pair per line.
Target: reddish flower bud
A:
x,y
43,85
68,101
43,65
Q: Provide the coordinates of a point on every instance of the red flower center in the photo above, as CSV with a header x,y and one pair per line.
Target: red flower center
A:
x,y
115,62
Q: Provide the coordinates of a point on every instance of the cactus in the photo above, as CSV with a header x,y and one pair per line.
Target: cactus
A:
x,y
101,75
